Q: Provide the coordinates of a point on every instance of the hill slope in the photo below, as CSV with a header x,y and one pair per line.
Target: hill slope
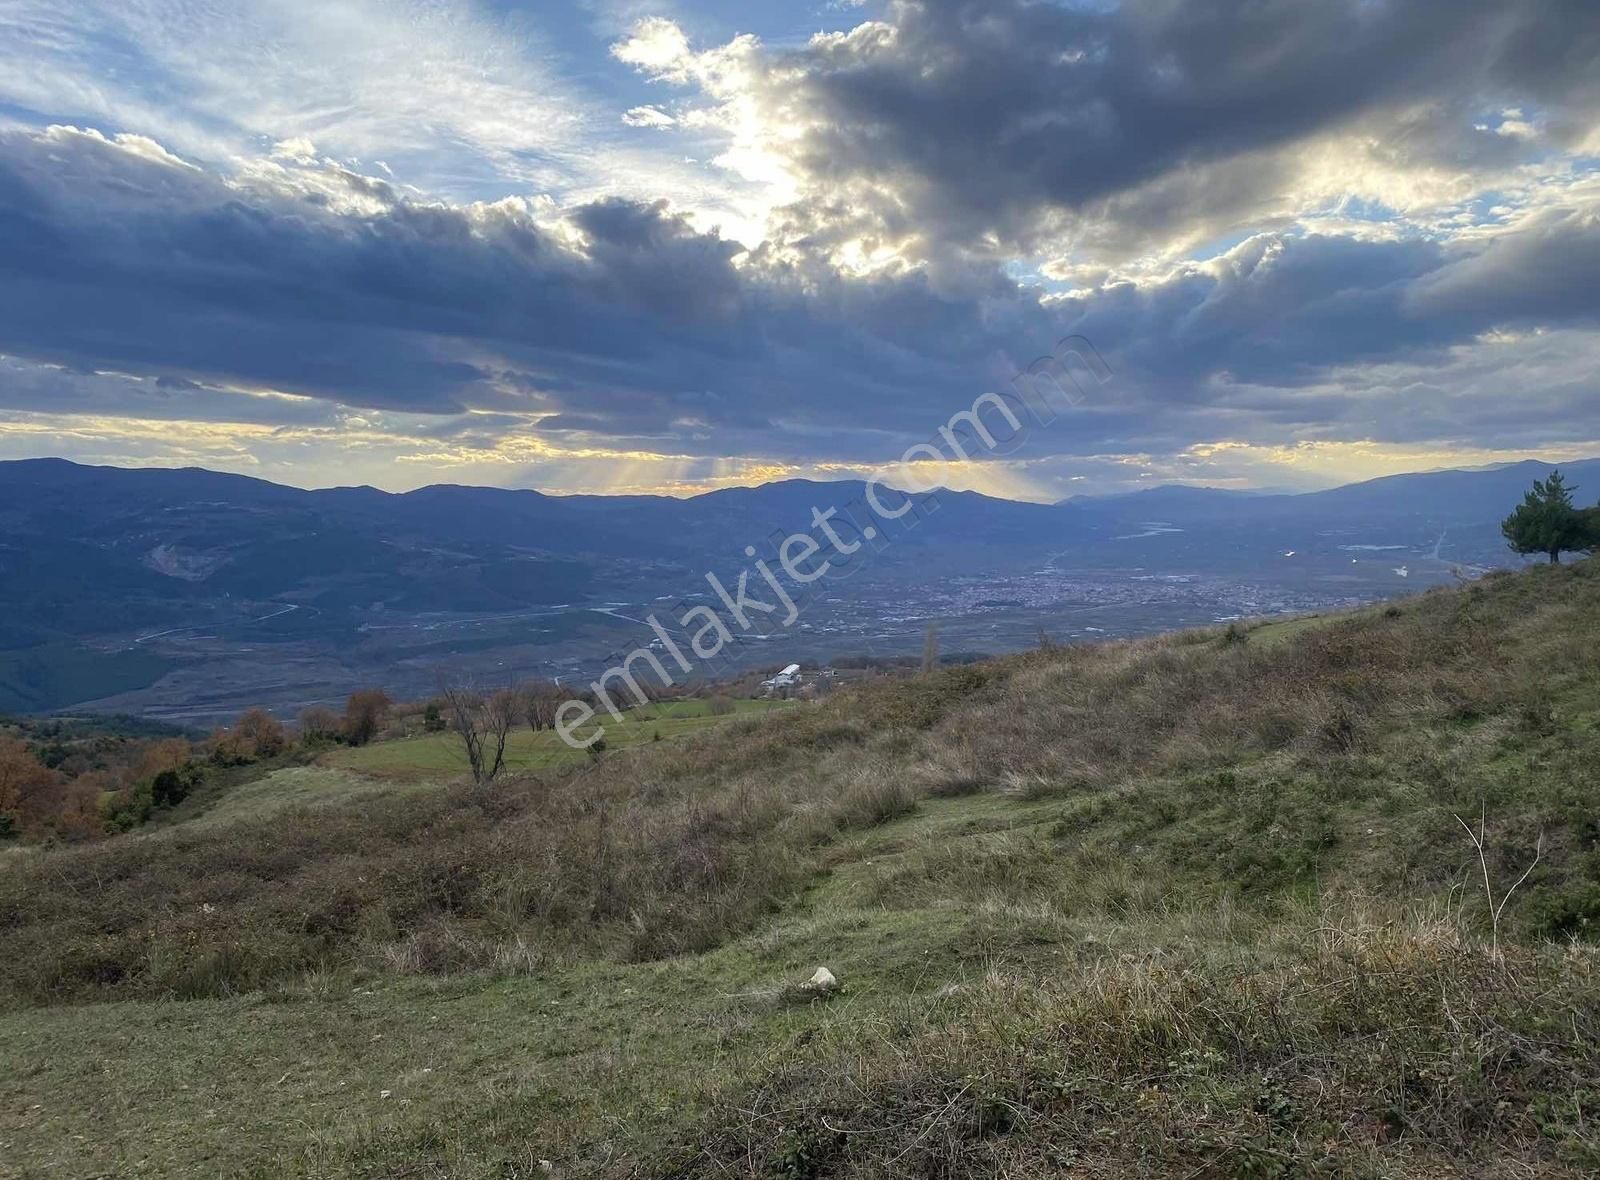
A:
x,y
1189,906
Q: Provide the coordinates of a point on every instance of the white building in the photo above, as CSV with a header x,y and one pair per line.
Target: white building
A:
x,y
787,678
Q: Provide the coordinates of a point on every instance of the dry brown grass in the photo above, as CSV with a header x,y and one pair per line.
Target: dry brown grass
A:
x,y
1374,1047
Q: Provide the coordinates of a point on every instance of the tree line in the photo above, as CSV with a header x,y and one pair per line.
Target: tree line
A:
x,y
79,780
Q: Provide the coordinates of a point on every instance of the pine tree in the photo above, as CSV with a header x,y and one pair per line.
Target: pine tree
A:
x,y
1546,521
1590,518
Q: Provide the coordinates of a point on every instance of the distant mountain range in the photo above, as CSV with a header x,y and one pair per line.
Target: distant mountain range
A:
x,y
111,579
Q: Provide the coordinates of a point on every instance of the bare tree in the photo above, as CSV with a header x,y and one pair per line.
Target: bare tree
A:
x,y
541,701
1496,908
320,724
502,711
483,722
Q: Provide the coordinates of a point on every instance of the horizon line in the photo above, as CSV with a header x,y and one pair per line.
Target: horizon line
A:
x,y
1260,492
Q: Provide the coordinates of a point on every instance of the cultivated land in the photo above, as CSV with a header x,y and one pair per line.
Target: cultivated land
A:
x,y
1190,906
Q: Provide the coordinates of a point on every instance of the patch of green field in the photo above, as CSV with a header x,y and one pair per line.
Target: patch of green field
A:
x,y
600,1065
364,1074
438,756
1270,635
360,1078
292,786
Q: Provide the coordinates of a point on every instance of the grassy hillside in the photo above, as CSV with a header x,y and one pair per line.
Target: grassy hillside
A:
x,y
1192,906
435,756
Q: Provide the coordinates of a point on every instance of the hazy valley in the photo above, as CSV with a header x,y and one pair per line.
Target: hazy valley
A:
x,y
191,596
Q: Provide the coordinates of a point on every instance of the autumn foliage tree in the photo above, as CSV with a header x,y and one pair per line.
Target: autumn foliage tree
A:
x,y
30,793
364,715
161,756
70,780
17,766
262,733
257,734
78,816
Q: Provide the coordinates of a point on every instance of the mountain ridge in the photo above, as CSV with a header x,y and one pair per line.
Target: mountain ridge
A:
x,y
1528,467
113,580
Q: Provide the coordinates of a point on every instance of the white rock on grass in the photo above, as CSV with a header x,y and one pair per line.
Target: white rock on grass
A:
x,y
822,982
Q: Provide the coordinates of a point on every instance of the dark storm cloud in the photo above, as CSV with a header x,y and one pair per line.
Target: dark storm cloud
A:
x,y
1285,334
320,283
118,259
1545,269
977,122
622,322
1276,308
1286,309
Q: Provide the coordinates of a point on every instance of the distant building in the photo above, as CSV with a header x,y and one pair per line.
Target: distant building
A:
x,y
783,682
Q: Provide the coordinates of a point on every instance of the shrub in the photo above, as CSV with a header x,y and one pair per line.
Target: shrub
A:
x,y
127,808
320,725
364,714
171,787
260,734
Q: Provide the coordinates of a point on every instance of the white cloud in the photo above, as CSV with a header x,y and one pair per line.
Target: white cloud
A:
x,y
648,117
659,48
299,150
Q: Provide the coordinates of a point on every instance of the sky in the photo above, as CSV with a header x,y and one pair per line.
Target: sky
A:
x,y
674,245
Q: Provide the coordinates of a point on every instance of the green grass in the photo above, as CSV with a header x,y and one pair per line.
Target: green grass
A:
x,y
1188,907
1269,635
598,1064
289,788
437,756
555,1053
552,1056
